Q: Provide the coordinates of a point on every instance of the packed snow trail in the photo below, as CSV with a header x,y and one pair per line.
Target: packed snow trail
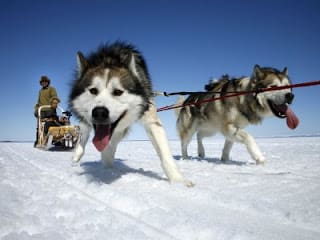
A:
x,y
43,197
40,174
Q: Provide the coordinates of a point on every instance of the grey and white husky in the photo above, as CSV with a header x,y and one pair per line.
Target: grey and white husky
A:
x,y
230,116
112,90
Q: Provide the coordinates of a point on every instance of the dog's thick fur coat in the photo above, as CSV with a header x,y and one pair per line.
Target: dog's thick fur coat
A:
x,y
229,116
112,90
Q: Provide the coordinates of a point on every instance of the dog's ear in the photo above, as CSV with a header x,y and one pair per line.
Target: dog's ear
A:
x,y
257,73
132,65
285,71
82,63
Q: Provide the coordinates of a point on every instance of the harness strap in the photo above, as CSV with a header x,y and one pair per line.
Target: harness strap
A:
x,y
229,94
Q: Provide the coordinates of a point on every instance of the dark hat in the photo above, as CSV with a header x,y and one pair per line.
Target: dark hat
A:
x,y
44,79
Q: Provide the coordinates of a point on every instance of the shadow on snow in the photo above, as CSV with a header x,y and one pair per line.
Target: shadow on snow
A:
x,y
97,172
210,160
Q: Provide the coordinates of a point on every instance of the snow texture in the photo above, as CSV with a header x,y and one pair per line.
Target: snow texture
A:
x,y
44,197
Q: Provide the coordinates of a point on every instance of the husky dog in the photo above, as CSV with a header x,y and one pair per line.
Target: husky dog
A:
x,y
112,90
229,116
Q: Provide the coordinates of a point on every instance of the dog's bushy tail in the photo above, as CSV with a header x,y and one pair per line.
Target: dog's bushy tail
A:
x,y
184,117
179,102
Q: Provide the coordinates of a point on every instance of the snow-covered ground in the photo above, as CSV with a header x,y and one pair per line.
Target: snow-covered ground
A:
x,y
43,197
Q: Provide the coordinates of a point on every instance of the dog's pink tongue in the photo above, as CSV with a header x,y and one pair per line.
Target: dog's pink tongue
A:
x,y
292,119
102,137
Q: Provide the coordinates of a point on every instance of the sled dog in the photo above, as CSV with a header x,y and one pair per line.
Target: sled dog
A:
x,y
112,90
230,116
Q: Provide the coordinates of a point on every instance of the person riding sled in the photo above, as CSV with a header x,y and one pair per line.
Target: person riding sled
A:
x,y
46,93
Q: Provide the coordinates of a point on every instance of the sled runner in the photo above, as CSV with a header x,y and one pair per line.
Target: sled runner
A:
x,y
62,135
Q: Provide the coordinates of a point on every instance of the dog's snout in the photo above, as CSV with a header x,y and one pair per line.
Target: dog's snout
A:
x,y
289,98
100,114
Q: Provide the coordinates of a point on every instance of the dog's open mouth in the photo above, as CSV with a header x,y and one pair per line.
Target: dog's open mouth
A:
x,y
103,133
283,111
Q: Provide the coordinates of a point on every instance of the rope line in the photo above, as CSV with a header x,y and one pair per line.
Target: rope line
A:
x,y
230,94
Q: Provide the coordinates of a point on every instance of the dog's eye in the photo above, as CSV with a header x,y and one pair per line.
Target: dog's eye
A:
x,y
93,91
117,92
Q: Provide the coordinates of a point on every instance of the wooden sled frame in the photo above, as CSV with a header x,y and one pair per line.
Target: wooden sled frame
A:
x,y
67,136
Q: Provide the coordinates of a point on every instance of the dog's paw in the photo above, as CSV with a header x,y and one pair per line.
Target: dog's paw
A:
x,y
77,154
182,180
75,164
75,158
225,159
108,163
186,158
188,183
260,161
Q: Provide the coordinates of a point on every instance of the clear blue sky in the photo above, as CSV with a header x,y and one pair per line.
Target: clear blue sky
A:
x,y
184,42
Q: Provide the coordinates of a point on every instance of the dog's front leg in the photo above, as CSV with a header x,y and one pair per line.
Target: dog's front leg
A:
x,y
238,134
226,150
80,148
107,155
160,142
201,151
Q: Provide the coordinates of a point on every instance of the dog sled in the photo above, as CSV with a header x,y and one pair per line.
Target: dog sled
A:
x,y
63,136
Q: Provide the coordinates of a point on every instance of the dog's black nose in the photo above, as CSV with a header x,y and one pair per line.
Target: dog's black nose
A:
x,y
100,114
289,97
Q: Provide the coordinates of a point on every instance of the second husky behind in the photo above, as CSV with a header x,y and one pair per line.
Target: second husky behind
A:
x,y
229,116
